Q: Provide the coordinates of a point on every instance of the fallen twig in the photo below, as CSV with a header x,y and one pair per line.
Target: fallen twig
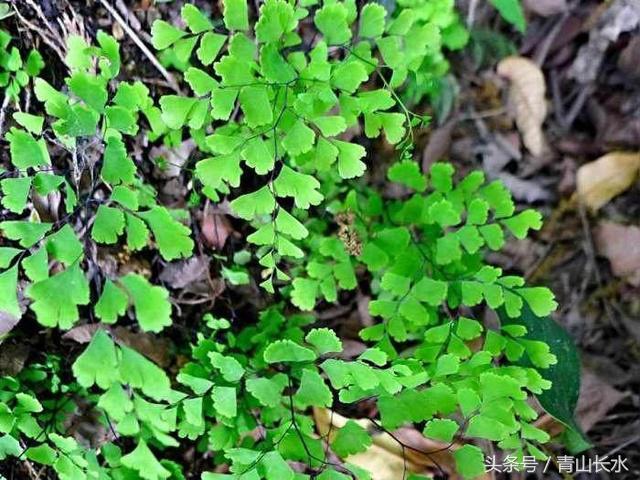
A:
x,y
136,39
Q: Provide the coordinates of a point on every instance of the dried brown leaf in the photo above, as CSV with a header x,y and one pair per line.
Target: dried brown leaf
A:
x,y
527,100
386,459
546,8
621,245
599,181
216,228
597,397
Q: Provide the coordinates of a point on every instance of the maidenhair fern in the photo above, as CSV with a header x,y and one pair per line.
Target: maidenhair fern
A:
x,y
283,105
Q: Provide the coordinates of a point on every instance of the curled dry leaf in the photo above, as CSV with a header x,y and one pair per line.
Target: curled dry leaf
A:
x,y
621,245
599,181
527,100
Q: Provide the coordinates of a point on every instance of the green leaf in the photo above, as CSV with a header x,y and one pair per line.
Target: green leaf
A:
x,y
520,224
98,364
116,402
442,429
78,53
143,374
229,367
250,205
469,461
350,164
236,14
469,401
45,182
26,151
137,232
511,11
65,246
372,20
36,265
348,76
442,177
268,391
430,291
374,355
9,446
324,340
143,461
210,45
175,110
43,454
108,225
304,293
331,20
299,138
313,391
151,303
122,120
540,299
195,19
224,401
7,254
288,224
9,299
88,88
171,236
259,156
255,104
561,399
33,123
117,166
275,466
301,187
163,34
15,192
56,299
27,233
408,173
277,18
287,351
112,303
351,439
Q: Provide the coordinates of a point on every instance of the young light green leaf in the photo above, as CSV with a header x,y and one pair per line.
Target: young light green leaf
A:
x,y
313,391
324,340
56,299
108,225
15,192
287,351
98,364
171,236
163,34
151,303
408,173
143,461
236,14
112,303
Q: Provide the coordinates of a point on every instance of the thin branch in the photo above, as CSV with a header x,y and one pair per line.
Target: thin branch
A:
x,y
136,39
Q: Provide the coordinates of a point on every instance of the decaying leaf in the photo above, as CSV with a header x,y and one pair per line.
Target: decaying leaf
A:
x,y
527,100
546,8
621,245
216,228
599,181
597,397
386,459
7,322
